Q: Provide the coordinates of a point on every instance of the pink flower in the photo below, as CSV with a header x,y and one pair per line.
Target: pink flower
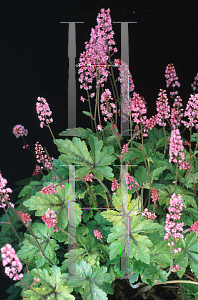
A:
x,y
194,227
42,158
115,185
100,127
25,217
172,226
194,85
49,190
88,177
162,108
97,234
50,219
95,60
19,130
148,214
9,257
4,192
43,111
176,268
176,113
130,179
154,195
192,112
106,106
176,146
125,149
37,170
171,78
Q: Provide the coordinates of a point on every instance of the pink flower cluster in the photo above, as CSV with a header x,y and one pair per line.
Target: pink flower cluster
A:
x,y
115,185
125,149
106,106
49,190
50,219
42,158
19,130
176,146
191,112
25,217
176,113
154,195
97,51
176,268
194,227
9,256
3,192
171,78
43,111
194,85
130,179
162,107
88,177
172,227
98,234
148,214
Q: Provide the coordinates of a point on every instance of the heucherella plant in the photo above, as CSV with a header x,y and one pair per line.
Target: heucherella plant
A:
x,y
135,216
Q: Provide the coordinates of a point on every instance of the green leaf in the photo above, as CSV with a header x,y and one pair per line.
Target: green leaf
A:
x,y
31,251
52,285
80,132
95,283
155,174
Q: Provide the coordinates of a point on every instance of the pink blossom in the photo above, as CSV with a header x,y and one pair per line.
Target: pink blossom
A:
x,y
194,227
49,190
4,192
176,268
154,195
50,219
42,158
95,60
194,85
191,112
115,185
176,146
100,127
97,234
125,149
171,78
88,177
9,257
162,108
172,226
176,113
43,111
106,105
25,217
130,179
148,214
19,130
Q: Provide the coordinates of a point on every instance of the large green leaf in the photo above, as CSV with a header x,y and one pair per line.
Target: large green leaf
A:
x,y
57,202
52,285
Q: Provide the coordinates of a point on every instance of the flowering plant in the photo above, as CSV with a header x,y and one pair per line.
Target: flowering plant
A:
x,y
144,232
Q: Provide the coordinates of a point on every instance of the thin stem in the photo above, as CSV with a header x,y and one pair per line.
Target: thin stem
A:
x,y
42,297
10,221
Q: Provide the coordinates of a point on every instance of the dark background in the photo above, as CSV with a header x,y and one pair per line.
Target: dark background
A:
x,y
34,62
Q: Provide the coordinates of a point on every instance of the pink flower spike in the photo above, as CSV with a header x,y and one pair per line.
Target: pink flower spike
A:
x,y
9,257
19,130
43,111
97,234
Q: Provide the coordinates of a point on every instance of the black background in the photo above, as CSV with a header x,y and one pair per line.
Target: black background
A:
x,y
34,62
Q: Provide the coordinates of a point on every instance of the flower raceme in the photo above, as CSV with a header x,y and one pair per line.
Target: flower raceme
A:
x,y
49,218
173,227
4,192
42,158
43,111
171,78
9,257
